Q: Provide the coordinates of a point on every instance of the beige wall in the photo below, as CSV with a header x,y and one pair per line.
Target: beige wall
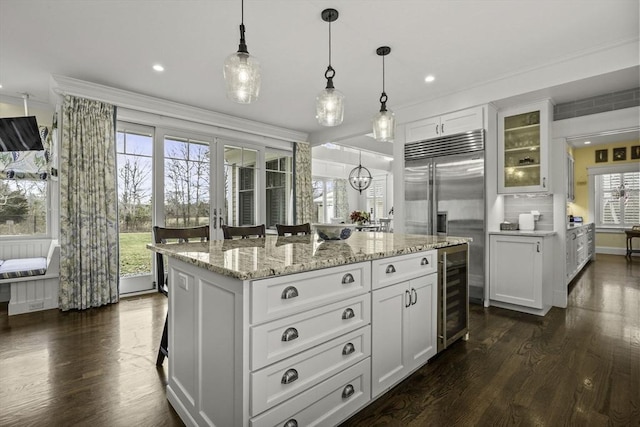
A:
x,y
584,157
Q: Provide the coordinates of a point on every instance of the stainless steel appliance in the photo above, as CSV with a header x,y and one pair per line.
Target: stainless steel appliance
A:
x,y
444,195
453,295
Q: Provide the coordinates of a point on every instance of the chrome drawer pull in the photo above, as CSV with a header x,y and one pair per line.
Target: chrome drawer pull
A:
x,y
348,314
291,423
289,292
424,261
290,334
348,349
290,376
347,278
390,269
348,391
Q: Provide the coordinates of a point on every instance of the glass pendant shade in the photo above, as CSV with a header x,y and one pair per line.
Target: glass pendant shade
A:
x,y
384,126
330,107
242,77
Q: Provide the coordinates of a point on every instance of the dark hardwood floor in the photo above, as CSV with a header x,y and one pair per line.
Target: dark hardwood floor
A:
x,y
578,366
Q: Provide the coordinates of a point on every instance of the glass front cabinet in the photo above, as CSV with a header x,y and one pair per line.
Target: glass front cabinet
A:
x,y
523,148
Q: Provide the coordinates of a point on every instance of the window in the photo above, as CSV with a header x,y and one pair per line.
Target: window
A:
x,y
617,199
240,174
375,199
279,188
186,182
323,200
24,191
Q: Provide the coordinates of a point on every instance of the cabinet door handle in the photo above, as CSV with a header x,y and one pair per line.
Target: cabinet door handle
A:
x,y
437,130
290,334
544,182
289,292
414,293
348,349
390,269
442,128
348,391
424,261
290,376
291,423
407,298
538,247
348,314
348,278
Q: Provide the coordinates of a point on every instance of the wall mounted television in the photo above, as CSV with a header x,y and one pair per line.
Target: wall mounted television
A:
x,y
20,134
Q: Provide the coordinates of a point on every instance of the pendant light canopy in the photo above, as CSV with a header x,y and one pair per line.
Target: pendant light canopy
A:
x,y
242,72
330,102
384,123
360,177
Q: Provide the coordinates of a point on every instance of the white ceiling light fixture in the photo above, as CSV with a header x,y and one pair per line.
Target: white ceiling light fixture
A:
x,y
360,177
157,67
384,123
242,71
429,78
330,102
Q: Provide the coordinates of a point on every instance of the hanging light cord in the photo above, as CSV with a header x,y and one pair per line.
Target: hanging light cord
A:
x,y
330,73
242,48
383,97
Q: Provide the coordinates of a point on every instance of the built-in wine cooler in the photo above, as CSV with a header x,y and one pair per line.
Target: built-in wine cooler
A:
x,y
453,295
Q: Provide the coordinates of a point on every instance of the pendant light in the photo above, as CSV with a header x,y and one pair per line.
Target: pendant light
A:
x,y
330,102
384,122
360,177
242,72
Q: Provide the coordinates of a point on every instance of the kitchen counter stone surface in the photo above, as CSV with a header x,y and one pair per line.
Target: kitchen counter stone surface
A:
x,y
534,233
248,259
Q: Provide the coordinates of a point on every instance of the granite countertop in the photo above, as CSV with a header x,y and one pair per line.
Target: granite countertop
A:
x,y
248,259
533,233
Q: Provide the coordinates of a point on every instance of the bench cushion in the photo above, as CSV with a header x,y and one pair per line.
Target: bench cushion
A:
x,y
23,267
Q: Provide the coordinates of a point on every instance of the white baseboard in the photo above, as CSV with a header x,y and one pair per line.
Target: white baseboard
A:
x,y
613,251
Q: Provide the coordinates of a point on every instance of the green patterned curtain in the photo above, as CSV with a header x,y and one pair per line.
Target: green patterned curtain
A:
x,y
88,198
304,189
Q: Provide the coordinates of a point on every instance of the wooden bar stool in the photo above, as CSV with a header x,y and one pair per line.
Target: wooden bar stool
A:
x,y
303,229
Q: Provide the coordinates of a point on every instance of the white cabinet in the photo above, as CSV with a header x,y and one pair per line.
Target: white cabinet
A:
x,y
403,323
448,124
523,148
520,271
580,247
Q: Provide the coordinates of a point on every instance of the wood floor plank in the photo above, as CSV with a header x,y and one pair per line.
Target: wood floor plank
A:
x,y
578,366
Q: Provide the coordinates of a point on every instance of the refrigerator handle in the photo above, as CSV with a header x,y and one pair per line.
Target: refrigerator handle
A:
x,y
443,283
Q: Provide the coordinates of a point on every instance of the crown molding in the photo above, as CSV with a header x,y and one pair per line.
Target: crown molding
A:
x,y
62,85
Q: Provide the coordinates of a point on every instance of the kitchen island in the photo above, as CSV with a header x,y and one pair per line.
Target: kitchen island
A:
x,y
279,330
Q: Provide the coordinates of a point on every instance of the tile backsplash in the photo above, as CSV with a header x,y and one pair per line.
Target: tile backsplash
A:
x,y
517,204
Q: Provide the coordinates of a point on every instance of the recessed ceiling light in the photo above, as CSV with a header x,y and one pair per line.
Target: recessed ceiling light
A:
x,y
429,78
587,142
0,86
158,67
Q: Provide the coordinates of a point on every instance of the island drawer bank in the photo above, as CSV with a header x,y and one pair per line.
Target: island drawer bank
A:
x,y
278,330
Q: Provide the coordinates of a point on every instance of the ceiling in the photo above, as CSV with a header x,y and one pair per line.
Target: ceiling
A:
x,y
462,43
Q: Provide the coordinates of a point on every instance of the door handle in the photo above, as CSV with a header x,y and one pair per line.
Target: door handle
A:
x,y
437,130
347,278
424,261
538,248
414,293
442,128
290,334
290,376
348,349
289,292
348,391
407,294
544,182
348,314
390,269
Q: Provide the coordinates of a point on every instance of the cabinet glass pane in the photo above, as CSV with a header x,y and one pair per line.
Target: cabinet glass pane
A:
x,y
522,149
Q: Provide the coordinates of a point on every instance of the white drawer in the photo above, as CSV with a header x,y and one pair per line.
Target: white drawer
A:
x,y
279,339
276,383
387,271
282,296
326,404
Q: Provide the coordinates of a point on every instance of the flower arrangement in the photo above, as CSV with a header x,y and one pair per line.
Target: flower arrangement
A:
x,y
359,216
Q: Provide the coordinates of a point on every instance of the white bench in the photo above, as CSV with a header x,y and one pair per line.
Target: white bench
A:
x,y
32,293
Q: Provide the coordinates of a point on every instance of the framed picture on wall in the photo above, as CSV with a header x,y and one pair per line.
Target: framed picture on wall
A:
x,y
620,153
635,152
602,155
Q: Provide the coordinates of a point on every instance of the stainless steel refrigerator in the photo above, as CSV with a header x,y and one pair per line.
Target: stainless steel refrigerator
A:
x,y
444,195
